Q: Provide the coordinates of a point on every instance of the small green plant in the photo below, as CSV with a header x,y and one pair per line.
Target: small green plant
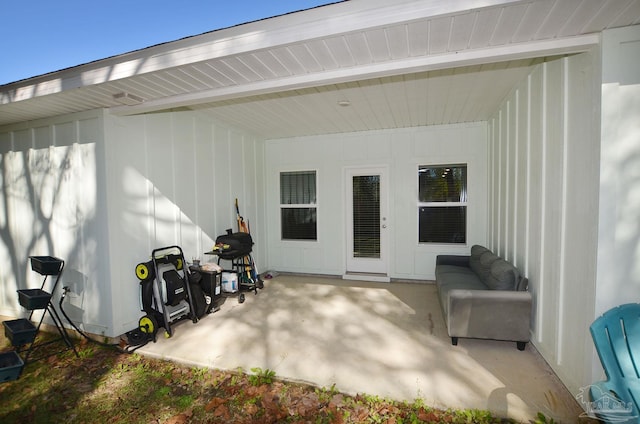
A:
x,y
201,373
325,394
236,378
542,419
119,369
284,390
418,403
162,392
412,418
473,416
185,401
260,376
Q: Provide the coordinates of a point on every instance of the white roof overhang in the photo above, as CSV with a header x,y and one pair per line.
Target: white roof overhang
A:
x,y
358,49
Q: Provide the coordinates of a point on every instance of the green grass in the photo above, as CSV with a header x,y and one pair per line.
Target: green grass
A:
x,y
106,386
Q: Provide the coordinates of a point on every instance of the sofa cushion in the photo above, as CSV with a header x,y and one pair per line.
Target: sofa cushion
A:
x,y
484,268
477,250
460,277
474,258
450,277
503,275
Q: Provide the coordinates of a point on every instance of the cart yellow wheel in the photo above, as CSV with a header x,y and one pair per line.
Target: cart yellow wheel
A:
x,y
142,271
148,324
179,264
166,335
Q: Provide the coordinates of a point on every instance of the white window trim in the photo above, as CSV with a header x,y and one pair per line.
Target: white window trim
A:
x,y
439,204
299,205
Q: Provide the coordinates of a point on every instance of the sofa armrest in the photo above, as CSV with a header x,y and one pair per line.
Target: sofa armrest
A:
x,y
489,314
457,260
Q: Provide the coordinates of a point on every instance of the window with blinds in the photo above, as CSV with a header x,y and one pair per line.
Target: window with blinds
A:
x,y
298,206
442,204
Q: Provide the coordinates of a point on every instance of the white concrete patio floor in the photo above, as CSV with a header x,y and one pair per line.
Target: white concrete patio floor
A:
x,y
385,339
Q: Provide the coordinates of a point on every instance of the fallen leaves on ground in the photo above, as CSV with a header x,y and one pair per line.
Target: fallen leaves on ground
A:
x,y
104,385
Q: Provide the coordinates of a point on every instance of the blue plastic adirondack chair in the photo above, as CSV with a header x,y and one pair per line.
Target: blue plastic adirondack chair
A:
x,y
616,336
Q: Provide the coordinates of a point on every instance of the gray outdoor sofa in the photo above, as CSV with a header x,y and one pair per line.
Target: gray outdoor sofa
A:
x,y
483,297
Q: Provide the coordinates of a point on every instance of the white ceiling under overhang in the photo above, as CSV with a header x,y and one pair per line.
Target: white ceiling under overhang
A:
x,y
466,94
399,64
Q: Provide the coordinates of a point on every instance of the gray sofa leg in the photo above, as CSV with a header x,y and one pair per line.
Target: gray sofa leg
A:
x,y
454,341
521,345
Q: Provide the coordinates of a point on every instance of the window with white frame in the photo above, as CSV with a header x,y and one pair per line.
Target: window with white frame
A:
x,y
298,205
442,203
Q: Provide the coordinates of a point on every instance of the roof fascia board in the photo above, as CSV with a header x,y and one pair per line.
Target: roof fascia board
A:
x,y
338,18
527,50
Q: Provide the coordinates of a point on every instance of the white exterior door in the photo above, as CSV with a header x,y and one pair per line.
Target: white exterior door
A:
x,y
367,224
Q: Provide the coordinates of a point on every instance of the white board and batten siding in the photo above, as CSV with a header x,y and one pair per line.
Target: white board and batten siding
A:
x,y
401,151
173,179
618,262
545,208
102,192
53,204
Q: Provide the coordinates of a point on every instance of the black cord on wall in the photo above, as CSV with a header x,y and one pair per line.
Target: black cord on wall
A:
x,y
140,342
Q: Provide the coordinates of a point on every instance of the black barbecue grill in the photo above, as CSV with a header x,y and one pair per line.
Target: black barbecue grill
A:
x,y
237,247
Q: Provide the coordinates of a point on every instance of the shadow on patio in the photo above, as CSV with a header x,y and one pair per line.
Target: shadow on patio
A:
x,y
382,339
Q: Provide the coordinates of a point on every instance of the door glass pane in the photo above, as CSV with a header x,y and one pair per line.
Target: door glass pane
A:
x,y
366,216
